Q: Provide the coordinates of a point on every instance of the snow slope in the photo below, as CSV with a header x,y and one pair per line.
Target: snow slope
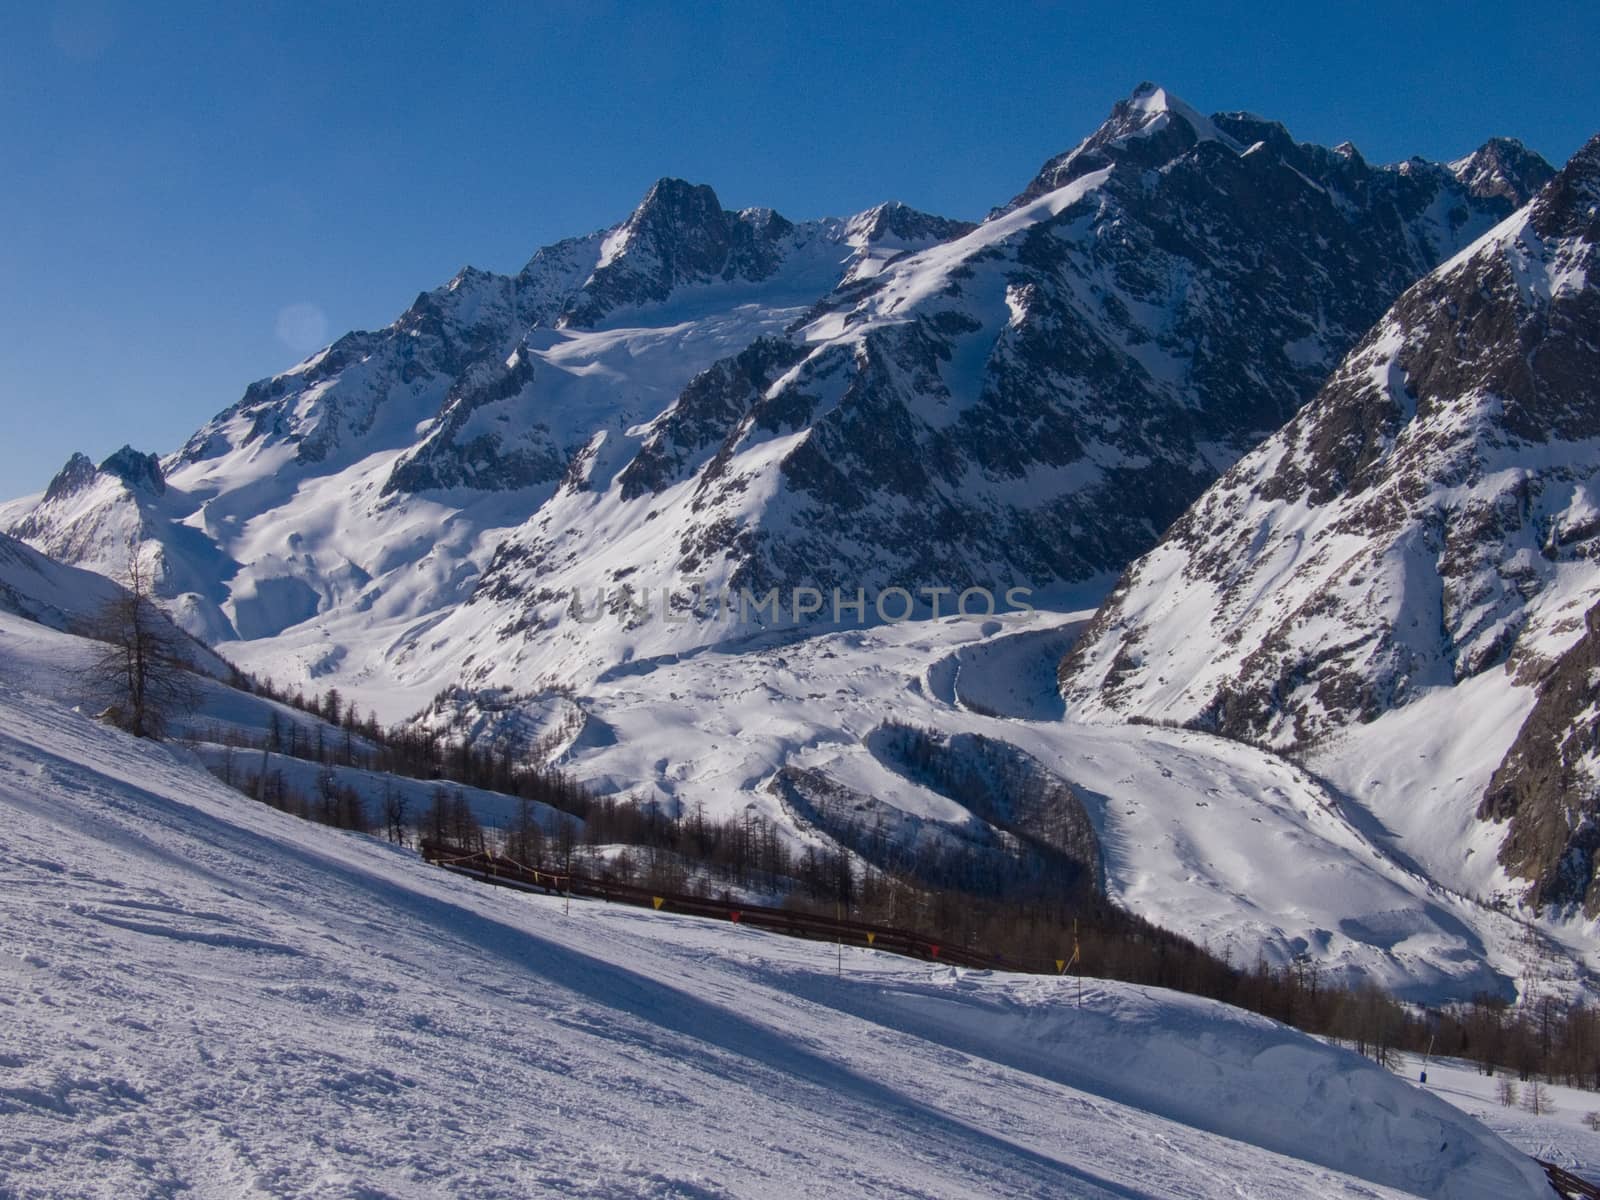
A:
x,y
203,995
1558,1135
1383,584
46,591
1224,843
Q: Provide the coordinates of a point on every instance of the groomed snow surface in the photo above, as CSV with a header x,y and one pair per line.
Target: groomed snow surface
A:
x,y
203,996
1557,1134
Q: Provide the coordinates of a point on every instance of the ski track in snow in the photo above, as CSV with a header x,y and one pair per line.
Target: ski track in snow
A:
x,y
205,996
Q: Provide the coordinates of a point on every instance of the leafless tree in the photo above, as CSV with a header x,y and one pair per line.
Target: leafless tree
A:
x,y
141,674
395,816
1536,1099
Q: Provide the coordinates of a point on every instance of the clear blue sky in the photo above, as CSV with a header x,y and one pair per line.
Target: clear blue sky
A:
x,y
190,190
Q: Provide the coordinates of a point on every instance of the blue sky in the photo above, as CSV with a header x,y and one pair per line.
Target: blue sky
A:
x,y
193,192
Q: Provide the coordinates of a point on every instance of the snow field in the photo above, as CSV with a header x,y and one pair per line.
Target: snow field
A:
x,y
1224,843
204,995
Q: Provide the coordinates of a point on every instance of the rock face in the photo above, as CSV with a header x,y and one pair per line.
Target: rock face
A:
x,y
141,472
735,398
1548,787
1026,832
1432,516
78,474
1502,167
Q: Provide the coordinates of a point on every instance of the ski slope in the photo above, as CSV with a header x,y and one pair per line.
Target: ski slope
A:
x,y
1555,1135
204,996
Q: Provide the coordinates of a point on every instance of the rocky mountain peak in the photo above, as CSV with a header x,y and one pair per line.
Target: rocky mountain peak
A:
x,y
1149,128
78,473
1151,108
467,276
141,472
1569,207
680,234
1247,130
894,221
676,212
1586,161
1503,166
764,221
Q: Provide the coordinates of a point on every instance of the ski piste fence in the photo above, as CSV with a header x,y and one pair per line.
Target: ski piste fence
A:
x,y
1568,1184
497,869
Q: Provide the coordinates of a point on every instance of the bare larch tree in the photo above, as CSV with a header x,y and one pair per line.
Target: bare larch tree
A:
x,y
142,673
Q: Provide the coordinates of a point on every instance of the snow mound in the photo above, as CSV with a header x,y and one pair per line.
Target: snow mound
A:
x,y
1225,1071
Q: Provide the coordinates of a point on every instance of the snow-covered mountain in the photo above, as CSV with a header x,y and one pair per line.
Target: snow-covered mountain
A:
x,y
1406,567
1222,843
1030,403
46,591
696,394
377,477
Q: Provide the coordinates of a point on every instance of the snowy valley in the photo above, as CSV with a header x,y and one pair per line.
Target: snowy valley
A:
x,y
1244,498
